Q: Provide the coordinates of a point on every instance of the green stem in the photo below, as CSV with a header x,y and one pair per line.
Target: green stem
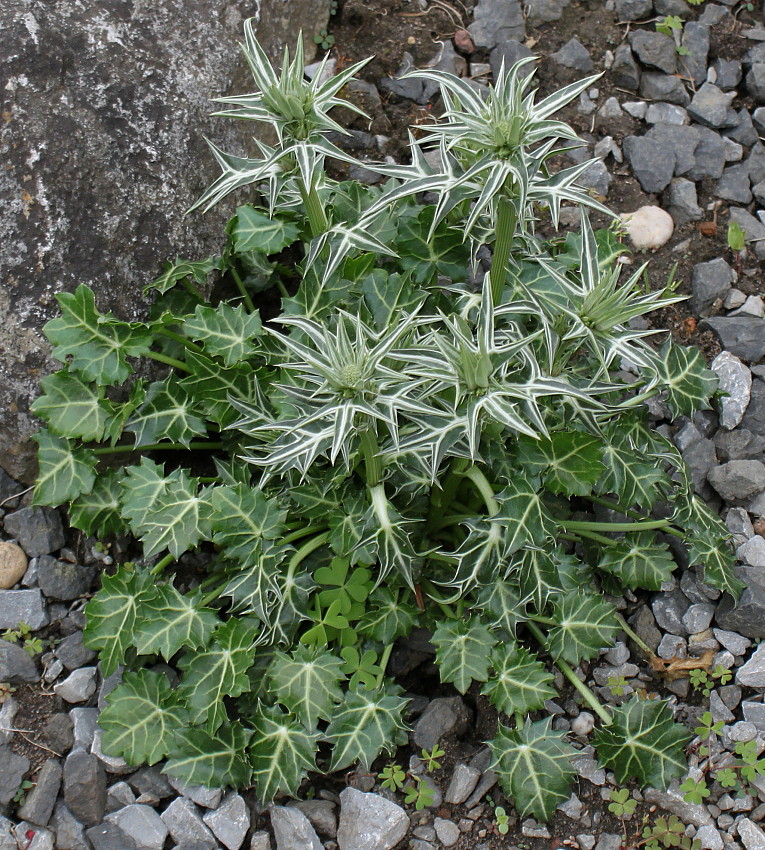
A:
x,y
599,538
187,343
282,288
443,498
314,208
161,564
113,450
169,361
372,461
243,289
301,532
634,636
644,525
507,218
305,550
384,663
615,506
484,487
191,287
587,695
454,519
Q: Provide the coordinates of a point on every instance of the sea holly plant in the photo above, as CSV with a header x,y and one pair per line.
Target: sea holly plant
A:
x,y
403,445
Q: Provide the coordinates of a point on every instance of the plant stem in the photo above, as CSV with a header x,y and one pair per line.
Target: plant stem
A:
x,y
443,498
301,532
635,637
169,361
191,287
113,450
243,289
187,343
315,210
588,696
161,564
615,506
507,219
372,461
643,525
305,550
484,487
384,663
592,535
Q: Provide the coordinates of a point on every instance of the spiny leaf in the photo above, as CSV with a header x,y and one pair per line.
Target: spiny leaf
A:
x,y
368,723
198,271
520,683
584,624
387,617
166,414
389,295
569,461
523,515
638,560
630,473
442,251
643,742
242,518
141,717
307,682
282,753
253,230
65,473
98,513
226,332
212,387
72,407
214,759
111,616
218,670
171,621
462,652
500,606
97,344
534,767
683,373
536,572
142,488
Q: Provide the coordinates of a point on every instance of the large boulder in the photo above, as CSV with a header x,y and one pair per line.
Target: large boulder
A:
x,y
105,105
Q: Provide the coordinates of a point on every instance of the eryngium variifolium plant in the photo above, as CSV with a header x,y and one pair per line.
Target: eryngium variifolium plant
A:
x,y
402,446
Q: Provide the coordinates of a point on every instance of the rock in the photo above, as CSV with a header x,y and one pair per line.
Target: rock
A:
x,y
708,155
609,841
758,117
756,163
752,552
443,716
610,111
744,131
63,581
735,380
672,7
57,734
13,564
69,832
38,806
654,49
79,686
447,831
588,769
7,839
84,722
625,71
709,838
754,230
648,228
230,821
633,10
734,185
293,830
713,14
752,674
186,827
149,783
748,616
208,797
544,11
754,712
643,624
260,841
710,106
719,710
119,796
73,653
412,88
369,822
142,824
666,113
112,764
740,526
509,52
38,530
752,837
596,177
695,40
16,665
42,839
322,815
495,21
463,782
573,55
698,617
22,606
742,336
636,108
682,201
732,641
108,836
583,723
669,609
652,164
755,82
662,87
12,770
738,479
734,152
672,800
85,787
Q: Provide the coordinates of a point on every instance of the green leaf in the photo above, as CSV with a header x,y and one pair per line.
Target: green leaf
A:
x,y
500,606
462,652
638,560
140,718
214,759
388,295
307,682
72,407
97,344
218,670
171,621
226,332
643,742
253,230
534,767
166,414
213,387
98,513
65,472
683,373
630,474
585,623
523,514
387,617
368,723
282,753
198,271
141,489
242,518
427,254
537,574
112,614
520,683
568,462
